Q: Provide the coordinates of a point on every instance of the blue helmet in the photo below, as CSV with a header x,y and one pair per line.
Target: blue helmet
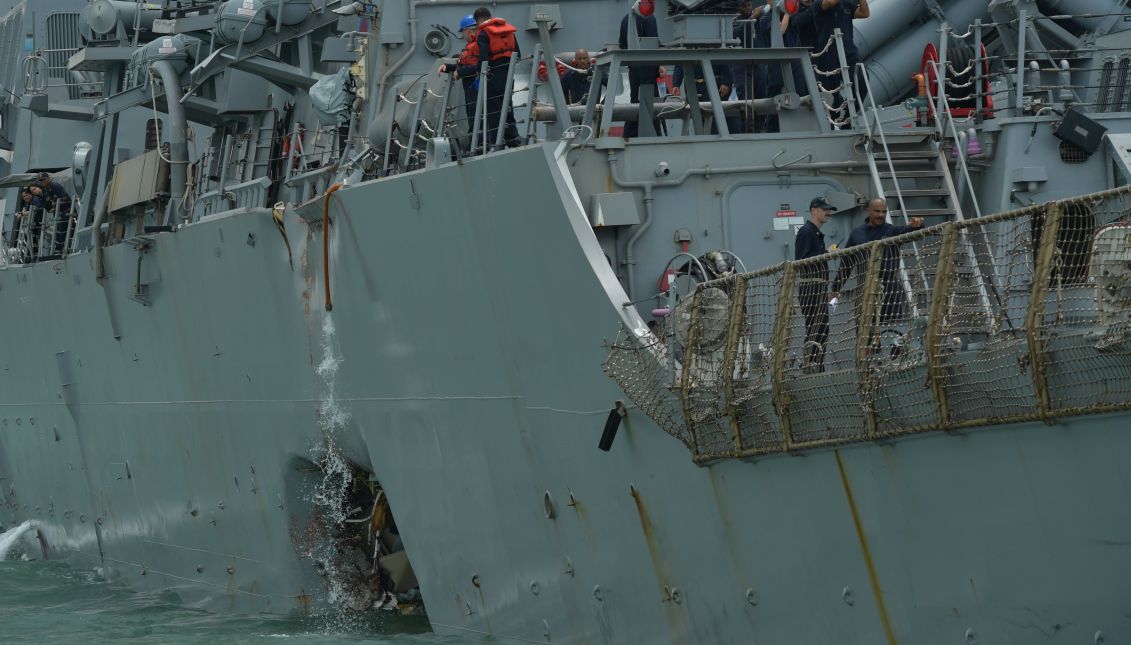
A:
x,y
466,21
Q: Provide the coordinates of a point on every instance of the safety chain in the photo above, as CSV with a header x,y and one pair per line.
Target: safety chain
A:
x,y
968,83
830,91
828,45
950,68
837,109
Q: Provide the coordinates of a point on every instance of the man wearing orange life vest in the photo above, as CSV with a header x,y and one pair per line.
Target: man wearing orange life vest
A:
x,y
496,44
467,67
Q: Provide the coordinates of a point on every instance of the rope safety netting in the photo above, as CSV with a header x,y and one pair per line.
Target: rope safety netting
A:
x,y
1019,316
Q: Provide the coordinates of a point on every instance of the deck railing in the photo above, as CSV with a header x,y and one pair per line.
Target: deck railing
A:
x,y
760,363
39,234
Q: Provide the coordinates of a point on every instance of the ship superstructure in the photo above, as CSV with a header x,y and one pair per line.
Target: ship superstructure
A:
x,y
309,334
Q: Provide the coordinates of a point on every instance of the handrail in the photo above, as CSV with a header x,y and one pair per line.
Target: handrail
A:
x,y
35,74
702,269
37,241
505,106
863,74
960,154
846,78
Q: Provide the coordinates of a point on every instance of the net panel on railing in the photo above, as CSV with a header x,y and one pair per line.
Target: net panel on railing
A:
x,y
982,346
1017,316
1085,327
896,372
643,367
752,404
820,392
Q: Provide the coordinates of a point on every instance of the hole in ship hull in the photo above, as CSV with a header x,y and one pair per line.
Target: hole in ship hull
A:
x,y
352,540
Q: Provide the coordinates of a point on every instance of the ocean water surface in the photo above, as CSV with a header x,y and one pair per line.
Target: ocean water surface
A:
x,y
51,602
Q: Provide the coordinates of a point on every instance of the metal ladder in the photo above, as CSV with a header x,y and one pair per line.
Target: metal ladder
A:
x,y
915,173
917,158
916,177
260,150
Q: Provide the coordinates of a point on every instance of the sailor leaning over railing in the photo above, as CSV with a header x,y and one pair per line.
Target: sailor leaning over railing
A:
x,y
42,226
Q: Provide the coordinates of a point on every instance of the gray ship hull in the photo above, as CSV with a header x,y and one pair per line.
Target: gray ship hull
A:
x,y
471,317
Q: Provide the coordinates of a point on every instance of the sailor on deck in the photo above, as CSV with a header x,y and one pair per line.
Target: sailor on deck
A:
x,y
829,15
466,68
768,77
813,284
576,81
52,189
877,227
58,201
640,76
497,42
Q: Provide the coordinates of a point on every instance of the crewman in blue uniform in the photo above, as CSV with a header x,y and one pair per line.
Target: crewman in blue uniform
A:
x,y
813,284
576,81
829,15
877,227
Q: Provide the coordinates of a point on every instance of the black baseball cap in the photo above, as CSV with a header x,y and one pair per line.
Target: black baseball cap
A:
x,y
821,202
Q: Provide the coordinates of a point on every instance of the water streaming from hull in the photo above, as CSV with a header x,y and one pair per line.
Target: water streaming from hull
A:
x,y
329,494
11,537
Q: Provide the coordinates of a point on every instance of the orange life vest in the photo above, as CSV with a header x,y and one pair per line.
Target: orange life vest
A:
x,y
500,38
470,54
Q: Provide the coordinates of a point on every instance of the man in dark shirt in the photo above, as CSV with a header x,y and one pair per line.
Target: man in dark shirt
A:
x,y
575,82
58,201
877,227
804,29
812,284
646,27
768,79
829,15
723,81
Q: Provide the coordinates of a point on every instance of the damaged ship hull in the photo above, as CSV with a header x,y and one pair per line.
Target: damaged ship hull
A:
x,y
166,436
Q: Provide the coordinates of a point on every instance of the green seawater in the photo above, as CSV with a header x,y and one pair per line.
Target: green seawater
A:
x,y
49,602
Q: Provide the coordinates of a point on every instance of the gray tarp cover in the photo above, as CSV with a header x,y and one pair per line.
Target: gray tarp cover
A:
x,y
331,98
